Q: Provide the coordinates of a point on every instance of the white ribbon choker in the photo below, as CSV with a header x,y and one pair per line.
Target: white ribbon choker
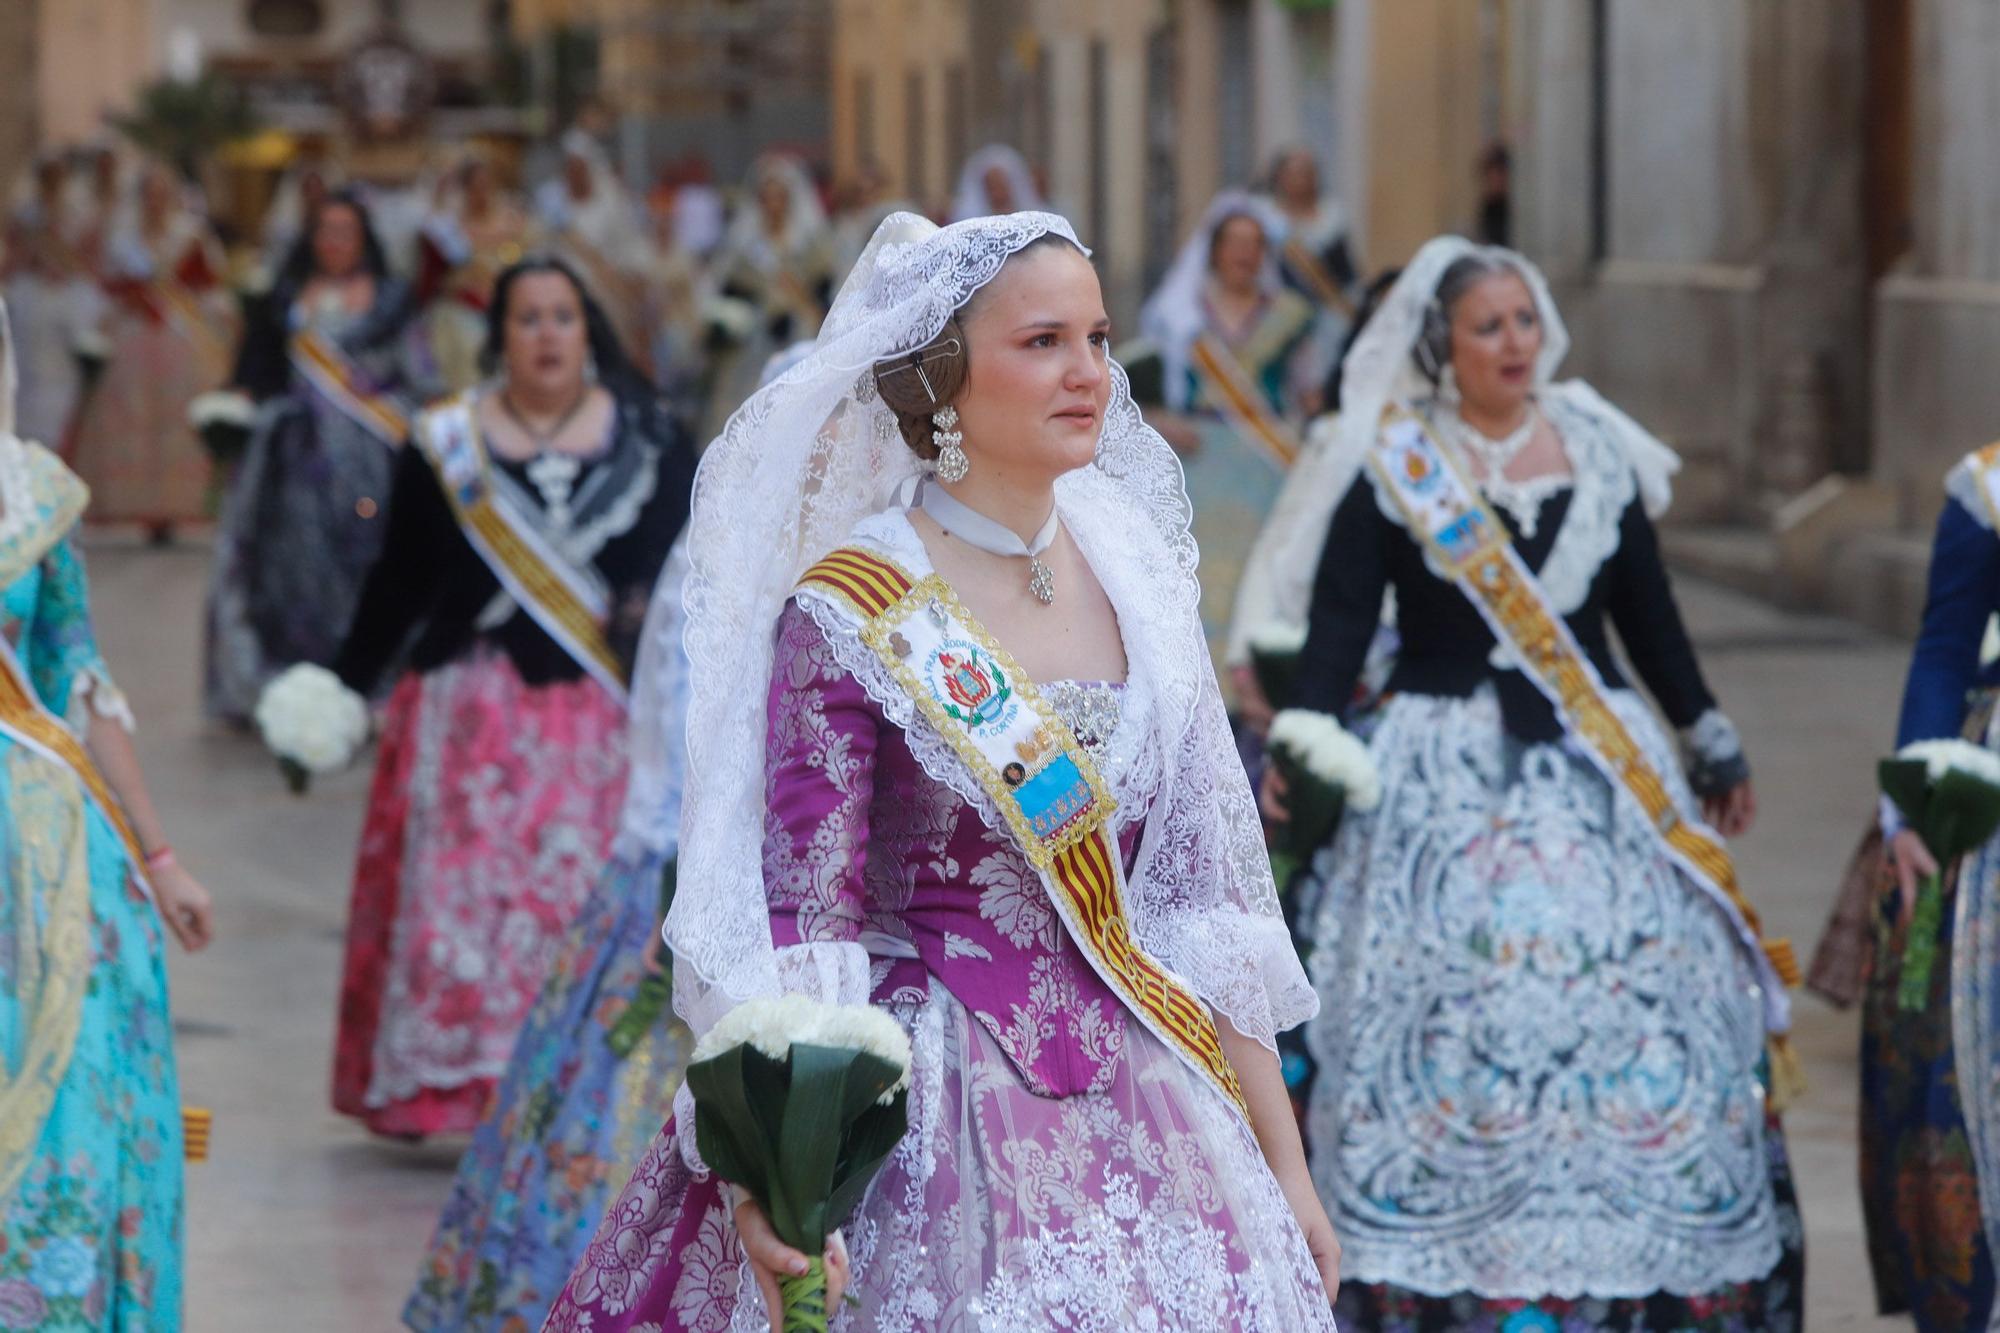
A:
x,y
976,530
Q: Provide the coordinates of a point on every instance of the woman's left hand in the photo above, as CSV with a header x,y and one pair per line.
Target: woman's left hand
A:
x,y
184,905
1732,813
1321,1241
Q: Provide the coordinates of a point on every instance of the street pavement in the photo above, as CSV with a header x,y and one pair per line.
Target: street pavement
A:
x,y
301,1221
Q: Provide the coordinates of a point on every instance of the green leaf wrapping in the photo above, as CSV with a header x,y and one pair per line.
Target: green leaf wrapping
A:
x,y
1315,806
1964,811
1953,815
802,1136
810,1147
1277,675
1907,783
728,1129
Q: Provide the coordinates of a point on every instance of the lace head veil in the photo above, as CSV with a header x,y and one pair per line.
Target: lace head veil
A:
x,y
805,458
814,452
1382,368
970,199
1173,316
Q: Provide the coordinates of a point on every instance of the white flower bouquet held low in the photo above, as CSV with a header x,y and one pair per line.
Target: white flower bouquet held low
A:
x,y
798,1104
1326,771
1948,794
312,722
223,418
731,319
1274,659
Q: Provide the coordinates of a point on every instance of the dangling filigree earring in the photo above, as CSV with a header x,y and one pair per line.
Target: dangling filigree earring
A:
x,y
952,461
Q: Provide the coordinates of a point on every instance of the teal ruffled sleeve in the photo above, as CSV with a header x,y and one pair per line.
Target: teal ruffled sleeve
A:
x,y
62,657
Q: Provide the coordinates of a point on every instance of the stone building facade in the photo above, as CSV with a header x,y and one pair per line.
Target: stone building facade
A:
x,y
1773,227
1135,111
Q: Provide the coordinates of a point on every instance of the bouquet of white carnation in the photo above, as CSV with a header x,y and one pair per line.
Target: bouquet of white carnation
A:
x,y
798,1104
1274,658
312,722
1326,771
1948,793
729,319
223,418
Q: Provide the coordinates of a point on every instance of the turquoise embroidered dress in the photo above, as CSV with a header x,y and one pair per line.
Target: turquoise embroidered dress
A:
x,y
90,1123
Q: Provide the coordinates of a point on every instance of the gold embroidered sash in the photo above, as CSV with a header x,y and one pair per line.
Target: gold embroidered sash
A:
x,y
1233,393
1044,783
571,608
328,370
1446,512
184,313
1312,270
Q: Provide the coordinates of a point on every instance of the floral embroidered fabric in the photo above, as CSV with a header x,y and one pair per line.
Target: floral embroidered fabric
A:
x,y
457,915
1540,1045
90,1144
1064,1169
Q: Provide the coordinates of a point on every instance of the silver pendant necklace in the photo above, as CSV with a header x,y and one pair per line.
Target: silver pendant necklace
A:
x,y
962,521
1495,455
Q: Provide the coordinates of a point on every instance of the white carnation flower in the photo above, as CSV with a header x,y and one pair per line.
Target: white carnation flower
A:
x,y
91,344
1331,753
1278,637
772,1023
1941,757
308,716
736,317
222,407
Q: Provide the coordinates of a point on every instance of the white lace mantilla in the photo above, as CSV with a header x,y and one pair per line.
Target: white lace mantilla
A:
x,y
1540,1046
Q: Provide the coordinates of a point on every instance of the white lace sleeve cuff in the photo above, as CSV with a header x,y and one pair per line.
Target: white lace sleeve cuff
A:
x,y
1245,967
1712,751
93,694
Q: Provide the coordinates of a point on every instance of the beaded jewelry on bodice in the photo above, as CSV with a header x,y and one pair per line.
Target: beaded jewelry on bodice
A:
x,y
1090,710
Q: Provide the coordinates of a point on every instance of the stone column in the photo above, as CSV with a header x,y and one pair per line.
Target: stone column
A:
x,y
1937,334
1411,84
19,112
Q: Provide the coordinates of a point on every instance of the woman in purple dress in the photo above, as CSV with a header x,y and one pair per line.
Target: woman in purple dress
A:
x,y
1059,889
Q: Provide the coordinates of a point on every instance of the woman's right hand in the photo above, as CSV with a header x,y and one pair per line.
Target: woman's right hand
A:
x,y
1912,862
1251,706
770,1258
1271,797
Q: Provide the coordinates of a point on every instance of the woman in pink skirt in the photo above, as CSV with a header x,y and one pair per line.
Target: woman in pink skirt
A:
x,y
528,522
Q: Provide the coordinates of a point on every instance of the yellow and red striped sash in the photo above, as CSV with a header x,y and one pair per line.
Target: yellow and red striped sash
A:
x,y
1311,270
1064,830
1446,512
328,370
1233,393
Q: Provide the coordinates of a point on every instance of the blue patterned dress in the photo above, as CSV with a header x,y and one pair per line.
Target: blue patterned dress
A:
x,y
90,1125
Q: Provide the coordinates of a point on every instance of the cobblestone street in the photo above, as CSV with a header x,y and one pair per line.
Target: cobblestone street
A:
x,y
302,1222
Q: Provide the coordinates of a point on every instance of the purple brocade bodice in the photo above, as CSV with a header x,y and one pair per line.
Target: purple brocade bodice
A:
x,y
937,895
